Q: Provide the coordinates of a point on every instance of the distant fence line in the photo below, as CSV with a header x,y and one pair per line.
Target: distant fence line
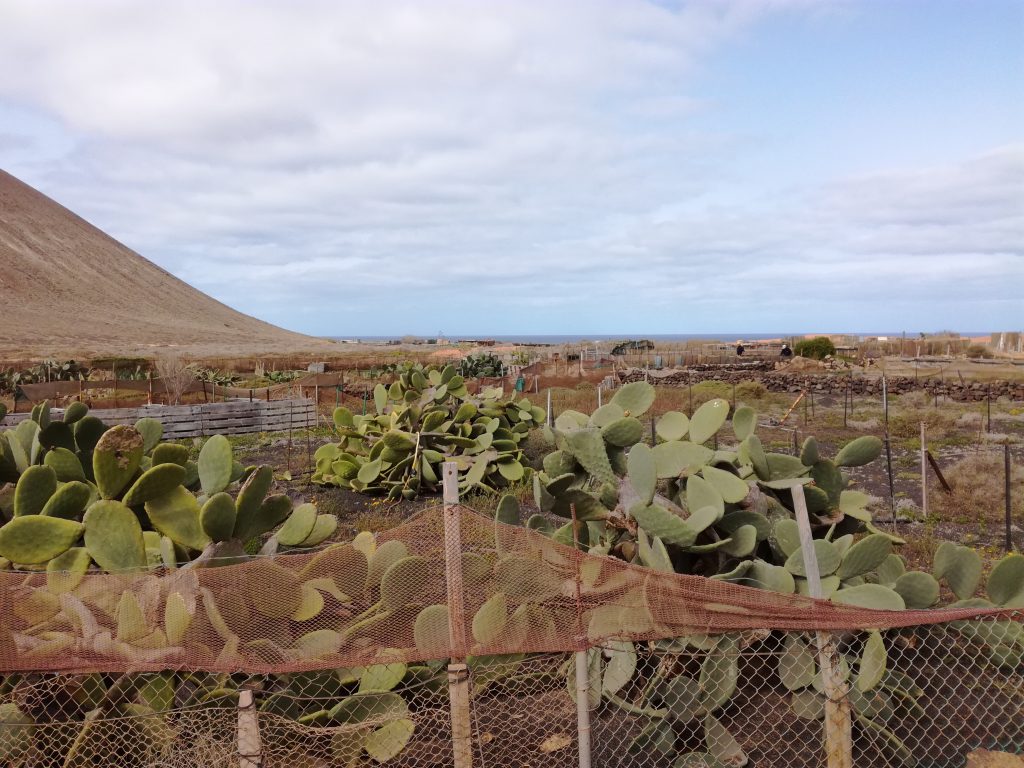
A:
x,y
234,417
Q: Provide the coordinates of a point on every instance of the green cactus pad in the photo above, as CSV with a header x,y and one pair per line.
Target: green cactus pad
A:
x,y
158,481
176,515
809,455
606,414
251,496
732,489
298,526
384,557
701,494
859,452
961,566
642,472
65,463
69,501
507,511
744,422
404,581
36,539
323,529
88,431
57,435
826,554
343,563
623,432
113,536
864,556
215,462
273,590
75,412
217,517
271,513
918,589
752,451
65,572
873,596
708,419
430,632
785,536
588,447
674,457
116,459
1006,582
673,425
170,453
634,399
35,487
670,528
829,479
151,430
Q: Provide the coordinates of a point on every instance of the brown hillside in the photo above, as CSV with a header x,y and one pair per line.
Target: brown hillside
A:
x,y
69,290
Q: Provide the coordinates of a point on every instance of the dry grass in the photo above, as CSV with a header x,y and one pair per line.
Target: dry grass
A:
x,y
979,490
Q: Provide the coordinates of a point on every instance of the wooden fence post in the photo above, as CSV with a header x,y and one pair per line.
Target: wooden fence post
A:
x,y
924,474
550,423
838,720
458,672
1006,469
249,747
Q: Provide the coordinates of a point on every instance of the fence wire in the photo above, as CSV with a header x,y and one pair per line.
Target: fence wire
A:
x,y
679,673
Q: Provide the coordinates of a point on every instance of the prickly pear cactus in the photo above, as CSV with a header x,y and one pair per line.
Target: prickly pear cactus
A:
x,y
106,491
423,419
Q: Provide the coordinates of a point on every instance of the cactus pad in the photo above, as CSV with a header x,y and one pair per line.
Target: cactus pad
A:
x,y
859,452
170,453
34,539
65,463
151,430
69,501
116,458
35,487
217,517
298,526
215,462
635,399
176,515
113,536
160,480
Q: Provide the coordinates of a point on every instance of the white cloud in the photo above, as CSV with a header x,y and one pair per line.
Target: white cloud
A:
x,y
352,167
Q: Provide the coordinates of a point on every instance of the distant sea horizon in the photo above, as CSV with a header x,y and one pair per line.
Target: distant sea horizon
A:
x,y
570,338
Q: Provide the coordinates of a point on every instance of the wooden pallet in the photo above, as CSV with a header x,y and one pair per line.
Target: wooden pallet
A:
x,y
234,417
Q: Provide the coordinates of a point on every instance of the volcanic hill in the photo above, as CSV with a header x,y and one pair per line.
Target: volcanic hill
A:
x,y
68,290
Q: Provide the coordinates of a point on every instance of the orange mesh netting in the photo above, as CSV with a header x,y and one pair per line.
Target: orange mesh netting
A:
x,y
386,600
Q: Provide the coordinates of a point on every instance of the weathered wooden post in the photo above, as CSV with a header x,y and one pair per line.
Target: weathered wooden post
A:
x,y
550,423
838,721
582,660
924,474
458,672
249,747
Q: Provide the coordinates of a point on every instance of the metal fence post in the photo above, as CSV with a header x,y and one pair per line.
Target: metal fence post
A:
x,y
458,672
838,721
249,747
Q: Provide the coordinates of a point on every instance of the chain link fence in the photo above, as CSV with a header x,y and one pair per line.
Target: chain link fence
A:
x,y
453,640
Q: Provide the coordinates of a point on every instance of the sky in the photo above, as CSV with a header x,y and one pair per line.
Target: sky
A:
x,y
477,167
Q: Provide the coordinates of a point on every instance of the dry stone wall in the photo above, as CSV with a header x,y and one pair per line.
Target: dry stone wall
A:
x,y
830,383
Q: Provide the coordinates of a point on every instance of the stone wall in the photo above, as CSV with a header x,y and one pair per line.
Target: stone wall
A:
x,y
831,383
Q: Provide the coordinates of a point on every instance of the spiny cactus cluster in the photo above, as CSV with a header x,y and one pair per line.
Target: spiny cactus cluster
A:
x,y
81,493
423,419
480,366
683,506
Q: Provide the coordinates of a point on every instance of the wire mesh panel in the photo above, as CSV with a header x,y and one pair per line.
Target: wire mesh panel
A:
x,y
345,653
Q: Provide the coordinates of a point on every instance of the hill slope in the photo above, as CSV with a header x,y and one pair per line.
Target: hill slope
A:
x,y
69,290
